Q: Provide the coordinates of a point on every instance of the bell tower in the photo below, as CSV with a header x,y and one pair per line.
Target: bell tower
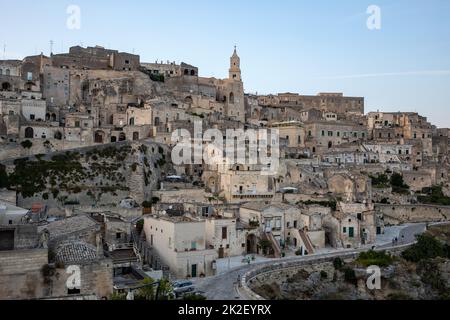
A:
x,y
235,67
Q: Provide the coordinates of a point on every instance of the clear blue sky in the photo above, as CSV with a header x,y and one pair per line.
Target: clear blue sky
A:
x,y
298,46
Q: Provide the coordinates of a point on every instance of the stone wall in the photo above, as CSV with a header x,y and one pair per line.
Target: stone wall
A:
x,y
400,214
22,276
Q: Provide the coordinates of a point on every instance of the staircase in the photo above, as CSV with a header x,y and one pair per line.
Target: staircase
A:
x,y
306,241
275,245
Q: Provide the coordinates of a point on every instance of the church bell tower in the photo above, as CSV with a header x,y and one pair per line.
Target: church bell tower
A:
x,y
235,67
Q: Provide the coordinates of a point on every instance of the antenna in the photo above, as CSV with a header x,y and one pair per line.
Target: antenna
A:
x,y
51,47
4,52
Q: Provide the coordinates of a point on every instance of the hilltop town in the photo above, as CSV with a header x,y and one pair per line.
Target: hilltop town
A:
x,y
88,182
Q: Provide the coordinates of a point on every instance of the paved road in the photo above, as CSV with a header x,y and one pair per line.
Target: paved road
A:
x,y
223,287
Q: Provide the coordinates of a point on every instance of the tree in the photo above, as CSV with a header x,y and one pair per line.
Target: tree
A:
x,y
4,183
427,247
147,292
27,144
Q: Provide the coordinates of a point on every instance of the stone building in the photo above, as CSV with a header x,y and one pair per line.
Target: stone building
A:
x,y
179,243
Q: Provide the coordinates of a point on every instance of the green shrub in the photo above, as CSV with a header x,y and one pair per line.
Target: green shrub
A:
x,y
427,247
350,275
435,195
380,181
398,185
27,144
118,296
338,263
194,296
371,258
4,182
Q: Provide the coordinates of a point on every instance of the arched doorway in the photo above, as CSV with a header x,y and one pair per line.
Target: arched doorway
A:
x,y
251,244
188,100
135,136
29,133
6,86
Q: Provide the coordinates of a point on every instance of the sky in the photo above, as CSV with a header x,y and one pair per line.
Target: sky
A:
x,y
285,45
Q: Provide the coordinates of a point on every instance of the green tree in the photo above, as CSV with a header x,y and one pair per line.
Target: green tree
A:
x,y
148,292
427,247
4,182
27,144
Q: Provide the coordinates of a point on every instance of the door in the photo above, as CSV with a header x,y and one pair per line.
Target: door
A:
x,y
351,232
194,271
221,253
6,240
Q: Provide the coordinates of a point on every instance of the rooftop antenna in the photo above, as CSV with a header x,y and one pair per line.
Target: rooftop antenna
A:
x,y
51,47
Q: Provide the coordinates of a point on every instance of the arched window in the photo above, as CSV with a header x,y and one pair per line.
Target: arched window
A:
x,y
122,137
113,139
157,121
232,97
192,72
53,117
131,121
135,136
47,116
29,133
186,72
8,72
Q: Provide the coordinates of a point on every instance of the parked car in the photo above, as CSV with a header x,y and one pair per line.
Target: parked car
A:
x,y
182,287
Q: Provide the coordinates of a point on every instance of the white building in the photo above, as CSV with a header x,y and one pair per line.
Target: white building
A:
x,y
180,244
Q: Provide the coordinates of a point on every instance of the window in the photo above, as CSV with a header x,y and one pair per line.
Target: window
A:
x,y
323,133
73,291
118,235
32,116
193,245
30,76
345,230
224,233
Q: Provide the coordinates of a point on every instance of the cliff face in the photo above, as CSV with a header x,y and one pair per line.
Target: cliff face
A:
x,y
97,176
401,281
421,272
